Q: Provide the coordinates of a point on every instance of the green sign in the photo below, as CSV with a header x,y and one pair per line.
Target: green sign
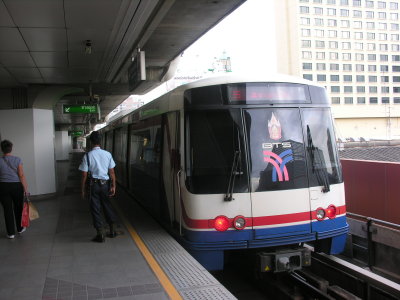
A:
x,y
77,133
80,109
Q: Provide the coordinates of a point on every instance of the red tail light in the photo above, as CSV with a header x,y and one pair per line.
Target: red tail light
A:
x,y
221,223
331,211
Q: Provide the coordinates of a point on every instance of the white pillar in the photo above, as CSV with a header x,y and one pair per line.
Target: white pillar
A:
x,y
32,133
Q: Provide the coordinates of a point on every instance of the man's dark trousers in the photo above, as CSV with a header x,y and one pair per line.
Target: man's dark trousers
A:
x,y
99,200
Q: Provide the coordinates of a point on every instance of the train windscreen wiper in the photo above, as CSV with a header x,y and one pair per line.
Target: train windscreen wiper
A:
x,y
234,172
317,163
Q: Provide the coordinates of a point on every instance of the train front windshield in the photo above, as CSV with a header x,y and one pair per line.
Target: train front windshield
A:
x,y
265,149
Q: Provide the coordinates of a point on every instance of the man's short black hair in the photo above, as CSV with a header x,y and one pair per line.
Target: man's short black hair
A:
x,y
6,146
95,138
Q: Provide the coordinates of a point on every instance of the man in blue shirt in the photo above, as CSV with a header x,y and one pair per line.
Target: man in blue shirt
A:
x,y
97,168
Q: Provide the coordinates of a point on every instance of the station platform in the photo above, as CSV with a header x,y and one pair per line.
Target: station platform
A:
x,y
56,259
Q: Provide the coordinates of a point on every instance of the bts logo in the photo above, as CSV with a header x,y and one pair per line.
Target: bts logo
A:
x,y
279,162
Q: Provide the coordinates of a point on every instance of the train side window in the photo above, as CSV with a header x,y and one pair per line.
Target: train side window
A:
x,y
213,138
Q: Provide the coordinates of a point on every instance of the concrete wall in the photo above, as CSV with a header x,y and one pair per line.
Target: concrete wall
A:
x,y
32,133
62,145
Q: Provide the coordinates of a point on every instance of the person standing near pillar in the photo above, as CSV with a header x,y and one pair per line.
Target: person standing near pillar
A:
x,y
13,187
98,185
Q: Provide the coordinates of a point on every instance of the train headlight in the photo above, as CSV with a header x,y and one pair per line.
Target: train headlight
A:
x,y
221,223
331,211
320,213
239,222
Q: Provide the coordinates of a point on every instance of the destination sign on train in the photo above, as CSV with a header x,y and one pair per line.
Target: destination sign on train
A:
x,y
275,92
79,109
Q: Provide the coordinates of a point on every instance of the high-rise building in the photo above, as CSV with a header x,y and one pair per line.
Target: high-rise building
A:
x,y
352,47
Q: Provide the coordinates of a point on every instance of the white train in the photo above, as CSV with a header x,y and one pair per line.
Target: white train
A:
x,y
231,163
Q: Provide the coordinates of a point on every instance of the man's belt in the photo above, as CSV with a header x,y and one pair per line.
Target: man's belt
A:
x,y
99,181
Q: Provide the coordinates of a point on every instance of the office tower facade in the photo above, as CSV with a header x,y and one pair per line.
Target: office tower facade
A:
x,y
352,47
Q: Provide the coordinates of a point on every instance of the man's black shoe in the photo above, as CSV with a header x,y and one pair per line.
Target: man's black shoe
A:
x,y
99,238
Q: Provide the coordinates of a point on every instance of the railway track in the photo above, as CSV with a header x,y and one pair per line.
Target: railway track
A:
x,y
330,277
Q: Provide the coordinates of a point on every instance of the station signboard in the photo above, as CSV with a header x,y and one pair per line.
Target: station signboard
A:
x,y
76,133
80,109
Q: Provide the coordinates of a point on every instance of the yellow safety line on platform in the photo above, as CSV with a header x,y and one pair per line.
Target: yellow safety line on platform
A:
x,y
162,277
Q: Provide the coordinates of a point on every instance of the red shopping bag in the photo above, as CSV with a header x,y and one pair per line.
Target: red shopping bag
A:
x,y
25,215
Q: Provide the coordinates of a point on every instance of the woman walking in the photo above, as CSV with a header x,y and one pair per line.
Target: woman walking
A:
x,y
13,187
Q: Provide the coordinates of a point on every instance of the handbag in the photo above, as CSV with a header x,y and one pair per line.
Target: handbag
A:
x,y
33,212
25,215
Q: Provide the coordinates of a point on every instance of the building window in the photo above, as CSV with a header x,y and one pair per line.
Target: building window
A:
x,y
394,37
396,68
358,46
334,78
321,67
371,68
373,89
347,67
320,55
360,100
372,57
304,10
306,43
307,66
357,24
385,100
396,78
384,68
305,21
382,26
347,78
357,14
372,78
331,12
334,67
344,13
360,68
383,47
332,23
345,23
319,22
348,100
385,89
370,25
333,45
346,34
383,36
373,100
394,16
308,76
381,15
370,46
333,55
396,90
332,33
394,5
396,100
395,57
359,56
319,33
319,44
370,36
305,32
330,1
321,77
384,57
335,89
318,11
369,3
344,2
384,78
346,45
360,89
348,89
369,14
381,4
396,47
307,54
346,56
360,78
356,2
394,26
335,100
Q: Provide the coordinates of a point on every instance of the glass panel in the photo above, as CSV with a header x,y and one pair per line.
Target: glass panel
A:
x,y
109,141
121,137
276,149
323,163
215,141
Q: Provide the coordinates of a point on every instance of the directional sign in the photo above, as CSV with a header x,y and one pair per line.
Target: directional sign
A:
x,y
76,133
80,109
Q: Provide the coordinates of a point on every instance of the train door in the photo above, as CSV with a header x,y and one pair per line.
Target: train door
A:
x,y
170,165
278,174
324,170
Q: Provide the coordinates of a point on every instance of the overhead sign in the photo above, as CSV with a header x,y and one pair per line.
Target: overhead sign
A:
x,y
137,71
76,133
80,109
